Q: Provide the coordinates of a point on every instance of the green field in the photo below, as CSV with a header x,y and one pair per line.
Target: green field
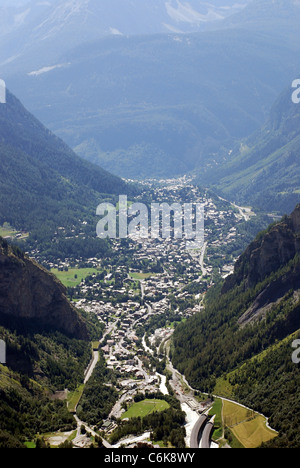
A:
x,y
74,397
8,231
73,276
141,276
30,445
145,407
249,428
218,425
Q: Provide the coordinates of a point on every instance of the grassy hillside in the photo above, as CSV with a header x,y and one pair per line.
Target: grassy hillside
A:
x,y
26,410
39,363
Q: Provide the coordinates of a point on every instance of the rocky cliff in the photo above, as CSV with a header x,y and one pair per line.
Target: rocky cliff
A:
x,y
29,292
270,251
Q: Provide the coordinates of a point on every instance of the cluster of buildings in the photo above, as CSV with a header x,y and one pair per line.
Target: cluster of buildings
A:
x,y
162,276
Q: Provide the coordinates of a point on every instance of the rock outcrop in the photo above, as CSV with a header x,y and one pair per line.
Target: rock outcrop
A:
x,y
30,292
271,250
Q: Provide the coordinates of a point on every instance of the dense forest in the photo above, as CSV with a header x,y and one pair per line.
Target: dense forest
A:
x,y
99,395
26,410
40,364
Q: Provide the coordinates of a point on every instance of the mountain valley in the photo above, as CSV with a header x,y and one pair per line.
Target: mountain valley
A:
x,y
149,226
185,99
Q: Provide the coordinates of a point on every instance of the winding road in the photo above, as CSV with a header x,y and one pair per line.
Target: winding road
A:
x,y
91,366
79,439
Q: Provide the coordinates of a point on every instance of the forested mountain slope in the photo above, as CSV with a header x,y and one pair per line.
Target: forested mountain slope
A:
x,y
47,349
43,183
265,170
244,336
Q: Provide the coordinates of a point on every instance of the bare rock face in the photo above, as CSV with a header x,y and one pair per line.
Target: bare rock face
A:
x,y
272,295
269,252
28,291
295,220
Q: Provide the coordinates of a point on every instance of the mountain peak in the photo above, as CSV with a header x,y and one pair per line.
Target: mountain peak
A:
x,y
88,20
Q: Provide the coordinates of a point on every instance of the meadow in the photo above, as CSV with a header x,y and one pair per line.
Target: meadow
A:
x,y
249,427
144,408
141,276
73,276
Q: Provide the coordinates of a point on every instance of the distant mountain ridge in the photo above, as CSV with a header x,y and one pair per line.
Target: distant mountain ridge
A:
x,y
169,104
154,105
92,19
21,130
267,16
42,181
265,170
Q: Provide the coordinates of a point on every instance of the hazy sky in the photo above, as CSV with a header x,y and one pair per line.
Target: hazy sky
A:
x,y
13,2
